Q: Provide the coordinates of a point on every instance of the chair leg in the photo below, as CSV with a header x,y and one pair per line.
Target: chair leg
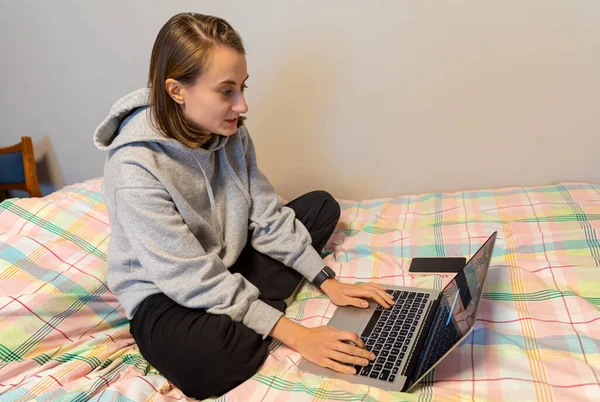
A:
x,y
4,195
31,180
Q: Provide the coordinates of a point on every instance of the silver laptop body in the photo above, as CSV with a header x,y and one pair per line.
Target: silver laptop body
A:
x,y
415,334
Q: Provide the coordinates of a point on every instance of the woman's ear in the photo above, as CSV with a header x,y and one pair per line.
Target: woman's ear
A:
x,y
175,90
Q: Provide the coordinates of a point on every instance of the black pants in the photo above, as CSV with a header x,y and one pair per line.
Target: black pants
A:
x,y
205,354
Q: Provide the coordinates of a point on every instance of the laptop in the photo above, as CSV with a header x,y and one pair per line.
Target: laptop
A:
x,y
410,338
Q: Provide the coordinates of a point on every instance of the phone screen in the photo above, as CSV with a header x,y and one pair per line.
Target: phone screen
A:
x,y
437,264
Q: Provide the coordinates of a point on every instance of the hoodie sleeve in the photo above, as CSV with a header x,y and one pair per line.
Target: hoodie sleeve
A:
x,y
178,265
276,231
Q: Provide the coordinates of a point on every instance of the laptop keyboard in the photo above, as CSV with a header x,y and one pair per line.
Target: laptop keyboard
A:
x,y
389,333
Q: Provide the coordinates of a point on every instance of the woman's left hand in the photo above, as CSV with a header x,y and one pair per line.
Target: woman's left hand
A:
x,y
347,294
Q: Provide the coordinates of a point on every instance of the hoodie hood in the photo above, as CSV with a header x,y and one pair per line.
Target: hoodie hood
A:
x,y
129,122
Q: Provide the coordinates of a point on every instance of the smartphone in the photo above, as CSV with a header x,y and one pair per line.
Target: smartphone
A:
x,y
437,265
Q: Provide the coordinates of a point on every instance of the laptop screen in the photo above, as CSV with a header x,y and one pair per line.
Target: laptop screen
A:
x,y
455,315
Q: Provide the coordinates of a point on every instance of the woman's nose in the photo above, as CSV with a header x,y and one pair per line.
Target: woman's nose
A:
x,y
240,105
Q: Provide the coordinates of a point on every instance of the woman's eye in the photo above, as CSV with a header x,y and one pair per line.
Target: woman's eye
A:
x,y
228,92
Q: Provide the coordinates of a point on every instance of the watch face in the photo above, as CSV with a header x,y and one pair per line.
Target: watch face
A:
x,y
329,271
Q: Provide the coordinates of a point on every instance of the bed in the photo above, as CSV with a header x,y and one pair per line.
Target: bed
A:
x,y
64,335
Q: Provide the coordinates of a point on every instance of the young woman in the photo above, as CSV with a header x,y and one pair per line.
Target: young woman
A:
x,y
202,255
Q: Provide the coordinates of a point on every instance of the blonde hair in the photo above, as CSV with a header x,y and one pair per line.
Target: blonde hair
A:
x,y
181,52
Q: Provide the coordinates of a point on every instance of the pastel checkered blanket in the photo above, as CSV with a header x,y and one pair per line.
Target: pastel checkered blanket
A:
x,y
64,335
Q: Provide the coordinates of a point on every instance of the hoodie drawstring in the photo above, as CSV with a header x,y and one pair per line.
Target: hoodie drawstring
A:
x,y
213,206
234,176
211,197
237,181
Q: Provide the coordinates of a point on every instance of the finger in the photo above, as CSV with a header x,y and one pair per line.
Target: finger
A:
x,y
352,337
342,368
348,359
384,292
383,303
375,286
381,290
388,297
371,293
380,299
354,301
353,350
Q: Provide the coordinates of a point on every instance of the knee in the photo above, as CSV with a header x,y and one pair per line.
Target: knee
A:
x,y
330,205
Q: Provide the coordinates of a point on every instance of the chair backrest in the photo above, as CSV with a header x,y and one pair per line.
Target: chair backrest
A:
x,y
17,168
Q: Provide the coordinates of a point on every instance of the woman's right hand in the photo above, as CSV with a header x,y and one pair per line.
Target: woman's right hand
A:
x,y
326,346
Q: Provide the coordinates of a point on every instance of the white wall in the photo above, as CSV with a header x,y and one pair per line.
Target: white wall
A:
x,y
364,99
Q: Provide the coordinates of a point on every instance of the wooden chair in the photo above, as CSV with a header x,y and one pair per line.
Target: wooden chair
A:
x,y
17,168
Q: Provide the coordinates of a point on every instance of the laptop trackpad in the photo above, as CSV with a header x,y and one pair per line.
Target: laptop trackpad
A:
x,y
350,318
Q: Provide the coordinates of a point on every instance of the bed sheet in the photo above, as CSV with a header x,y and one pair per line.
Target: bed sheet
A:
x,y
64,335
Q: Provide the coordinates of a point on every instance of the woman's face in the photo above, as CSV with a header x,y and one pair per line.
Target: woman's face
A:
x,y
216,100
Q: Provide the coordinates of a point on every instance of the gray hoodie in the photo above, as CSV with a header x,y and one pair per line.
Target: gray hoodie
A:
x,y
180,218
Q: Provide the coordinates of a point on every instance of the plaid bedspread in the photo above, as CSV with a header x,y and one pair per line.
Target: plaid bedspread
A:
x,y
64,336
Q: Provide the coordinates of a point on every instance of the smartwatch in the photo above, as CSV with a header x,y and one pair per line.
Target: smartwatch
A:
x,y
326,273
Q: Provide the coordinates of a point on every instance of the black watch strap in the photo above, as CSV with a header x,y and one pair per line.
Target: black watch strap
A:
x,y
326,273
